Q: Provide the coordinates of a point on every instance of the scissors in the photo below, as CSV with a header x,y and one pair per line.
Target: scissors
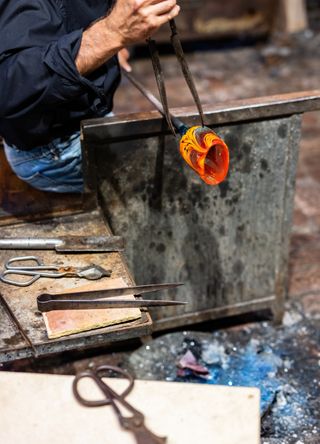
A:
x,y
134,423
91,272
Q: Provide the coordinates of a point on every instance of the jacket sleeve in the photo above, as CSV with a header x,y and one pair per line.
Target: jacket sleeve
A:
x,y
37,58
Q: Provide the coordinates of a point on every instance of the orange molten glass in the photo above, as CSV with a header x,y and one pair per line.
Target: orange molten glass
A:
x,y
206,153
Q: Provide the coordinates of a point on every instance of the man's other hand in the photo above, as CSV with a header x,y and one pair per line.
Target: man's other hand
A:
x,y
124,56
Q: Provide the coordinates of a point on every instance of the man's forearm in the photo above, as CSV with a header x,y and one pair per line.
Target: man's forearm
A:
x,y
99,43
130,22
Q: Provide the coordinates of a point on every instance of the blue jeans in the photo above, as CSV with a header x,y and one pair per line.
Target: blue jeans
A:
x,y
56,167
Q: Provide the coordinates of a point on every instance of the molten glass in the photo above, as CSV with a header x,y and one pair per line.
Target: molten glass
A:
x,y
205,153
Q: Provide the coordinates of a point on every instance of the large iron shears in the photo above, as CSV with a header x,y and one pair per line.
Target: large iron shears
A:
x,y
135,422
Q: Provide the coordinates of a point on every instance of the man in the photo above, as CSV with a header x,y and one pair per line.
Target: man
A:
x,y
58,66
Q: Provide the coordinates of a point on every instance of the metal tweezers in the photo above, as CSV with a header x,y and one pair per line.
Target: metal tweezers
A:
x,y
100,299
176,43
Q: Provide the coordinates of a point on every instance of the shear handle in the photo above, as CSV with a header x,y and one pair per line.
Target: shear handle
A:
x,y
97,374
35,259
135,422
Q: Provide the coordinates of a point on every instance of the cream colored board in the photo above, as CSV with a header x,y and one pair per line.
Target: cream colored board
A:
x,y
40,409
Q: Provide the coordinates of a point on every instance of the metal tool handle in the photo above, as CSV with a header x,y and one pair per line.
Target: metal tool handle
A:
x,y
29,243
133,423
30,270
116,401
40,268
160,82
24,283
36,271
176,43
14,270
36,259
96,374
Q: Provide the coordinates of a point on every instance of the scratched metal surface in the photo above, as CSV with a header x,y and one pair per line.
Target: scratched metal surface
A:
x,y
228,244
23,300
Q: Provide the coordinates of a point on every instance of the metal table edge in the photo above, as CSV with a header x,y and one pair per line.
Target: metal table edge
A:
x,y
128,126
267,303
80,341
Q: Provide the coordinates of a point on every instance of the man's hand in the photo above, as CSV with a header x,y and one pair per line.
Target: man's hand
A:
x,y
130,21
136,20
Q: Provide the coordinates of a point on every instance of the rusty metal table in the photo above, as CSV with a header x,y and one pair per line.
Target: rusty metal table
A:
x,y
23,300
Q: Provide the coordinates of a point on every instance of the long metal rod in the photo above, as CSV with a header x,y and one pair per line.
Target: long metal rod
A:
x,y
157,68
29,243
176,43
76,244
15,321
178,124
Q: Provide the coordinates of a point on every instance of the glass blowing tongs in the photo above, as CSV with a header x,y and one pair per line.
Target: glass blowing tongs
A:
x,y
101,299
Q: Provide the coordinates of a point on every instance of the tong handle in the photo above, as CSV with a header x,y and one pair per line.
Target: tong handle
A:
x,y
176,43
160,82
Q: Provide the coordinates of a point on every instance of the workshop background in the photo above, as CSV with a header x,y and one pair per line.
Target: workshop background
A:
x,y
241,49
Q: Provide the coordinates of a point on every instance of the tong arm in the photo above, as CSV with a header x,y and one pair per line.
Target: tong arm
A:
x,y
47,302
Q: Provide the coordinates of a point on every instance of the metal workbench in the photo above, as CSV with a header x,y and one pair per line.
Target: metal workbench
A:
x,y
229,243
25,212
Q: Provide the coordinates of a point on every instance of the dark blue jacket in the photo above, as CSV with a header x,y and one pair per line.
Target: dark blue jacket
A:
x,y
42,95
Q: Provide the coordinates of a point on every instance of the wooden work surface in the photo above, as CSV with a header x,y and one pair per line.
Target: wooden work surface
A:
x,y
185,413
23,300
